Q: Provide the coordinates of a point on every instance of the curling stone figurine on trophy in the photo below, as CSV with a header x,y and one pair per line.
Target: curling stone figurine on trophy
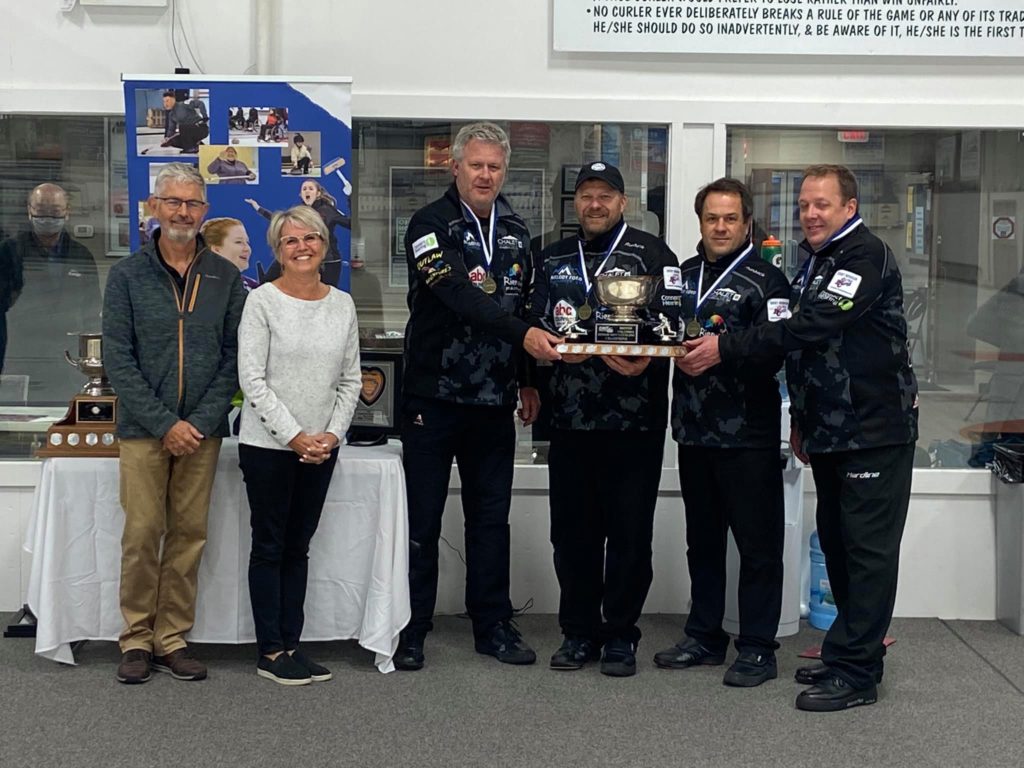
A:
x,y
620,330
88,427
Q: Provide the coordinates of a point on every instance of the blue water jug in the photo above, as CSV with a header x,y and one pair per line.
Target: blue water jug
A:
x,y
823,606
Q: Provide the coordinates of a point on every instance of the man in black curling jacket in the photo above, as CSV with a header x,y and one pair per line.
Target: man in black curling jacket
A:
x,y
726,422
854,407
469,271
609,416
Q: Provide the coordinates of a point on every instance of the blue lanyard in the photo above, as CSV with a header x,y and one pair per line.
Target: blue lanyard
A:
x,y
583,264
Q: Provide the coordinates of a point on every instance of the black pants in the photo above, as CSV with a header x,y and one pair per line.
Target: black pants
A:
x,y
481,439
303,165
285,500
603,488
862,507
738,489
189,136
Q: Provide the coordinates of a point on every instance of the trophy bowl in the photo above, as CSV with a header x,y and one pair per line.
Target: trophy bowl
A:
x,y
625,294
90,362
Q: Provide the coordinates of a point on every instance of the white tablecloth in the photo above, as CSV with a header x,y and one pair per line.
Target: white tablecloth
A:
x,y
358,570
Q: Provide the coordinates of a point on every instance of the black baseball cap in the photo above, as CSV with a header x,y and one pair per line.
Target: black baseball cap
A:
x,y
603,171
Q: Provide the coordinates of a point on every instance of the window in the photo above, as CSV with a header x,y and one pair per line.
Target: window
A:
x,y
950,204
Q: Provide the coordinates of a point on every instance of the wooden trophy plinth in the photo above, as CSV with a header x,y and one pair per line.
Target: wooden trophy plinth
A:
x,y
86,430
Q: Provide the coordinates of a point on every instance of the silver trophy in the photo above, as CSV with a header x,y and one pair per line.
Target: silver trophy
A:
x,y
90,362
623,295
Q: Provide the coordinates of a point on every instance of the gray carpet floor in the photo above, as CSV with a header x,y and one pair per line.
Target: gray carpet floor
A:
x,y
953,696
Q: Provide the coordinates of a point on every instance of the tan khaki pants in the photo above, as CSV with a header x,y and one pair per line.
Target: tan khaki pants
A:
x,y
166,497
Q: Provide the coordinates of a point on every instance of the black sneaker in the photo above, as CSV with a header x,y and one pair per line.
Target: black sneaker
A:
x,y
504,643
619,658
317,672
751,668
687,653
409,654
284,670
834,695
575,652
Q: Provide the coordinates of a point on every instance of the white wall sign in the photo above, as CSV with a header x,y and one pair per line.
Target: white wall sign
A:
x,y
843,27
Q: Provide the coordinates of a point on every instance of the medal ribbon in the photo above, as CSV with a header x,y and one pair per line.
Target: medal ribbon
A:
x,y
488,244
699,299
587,281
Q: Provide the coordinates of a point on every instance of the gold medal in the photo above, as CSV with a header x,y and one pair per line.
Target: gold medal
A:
x,y
584,312
488,286
692,329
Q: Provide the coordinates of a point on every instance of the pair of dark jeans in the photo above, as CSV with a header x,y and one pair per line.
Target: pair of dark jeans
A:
x,y
481,439
286,498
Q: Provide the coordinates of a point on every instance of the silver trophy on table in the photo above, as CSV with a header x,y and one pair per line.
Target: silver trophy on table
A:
x,y
88,427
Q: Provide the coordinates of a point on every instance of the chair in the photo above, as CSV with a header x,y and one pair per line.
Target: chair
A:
x,y
915,305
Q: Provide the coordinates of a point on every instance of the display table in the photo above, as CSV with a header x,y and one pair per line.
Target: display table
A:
x,y
358,560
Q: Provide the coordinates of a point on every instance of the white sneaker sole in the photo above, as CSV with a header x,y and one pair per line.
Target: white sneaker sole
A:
x,y
283,680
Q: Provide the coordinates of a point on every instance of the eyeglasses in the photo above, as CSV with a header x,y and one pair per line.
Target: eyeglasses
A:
x,y
174,203
310,239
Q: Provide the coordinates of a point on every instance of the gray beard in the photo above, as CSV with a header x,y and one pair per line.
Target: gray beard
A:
x,y
179,235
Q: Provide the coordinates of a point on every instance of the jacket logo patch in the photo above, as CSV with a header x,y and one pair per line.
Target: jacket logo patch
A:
x,y
564,314
863,475
477,275
510,241
673,278
565,274
778,309
426,243
844,283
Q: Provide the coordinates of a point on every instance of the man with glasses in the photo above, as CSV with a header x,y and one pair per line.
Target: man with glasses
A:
x,y
170,319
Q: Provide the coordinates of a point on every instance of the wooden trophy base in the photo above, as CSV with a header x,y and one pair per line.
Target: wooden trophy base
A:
x,y
86,430
623,350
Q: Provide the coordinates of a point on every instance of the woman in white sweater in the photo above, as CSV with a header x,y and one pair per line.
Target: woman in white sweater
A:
x,y
298,364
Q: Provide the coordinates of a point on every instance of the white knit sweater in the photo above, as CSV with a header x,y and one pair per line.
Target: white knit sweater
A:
x,y
298,365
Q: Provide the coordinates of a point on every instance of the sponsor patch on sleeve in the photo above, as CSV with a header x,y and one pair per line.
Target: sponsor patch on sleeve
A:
x,y
425,244
778,309
673,278
844,283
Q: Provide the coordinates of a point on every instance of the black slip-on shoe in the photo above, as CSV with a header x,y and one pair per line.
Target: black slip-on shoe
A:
x,y
317,672
283,670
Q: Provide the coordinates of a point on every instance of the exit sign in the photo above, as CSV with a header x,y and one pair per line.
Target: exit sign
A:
x,y
853,137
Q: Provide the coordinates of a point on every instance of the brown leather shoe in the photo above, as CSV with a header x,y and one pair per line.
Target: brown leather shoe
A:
x,y
180,665
134,667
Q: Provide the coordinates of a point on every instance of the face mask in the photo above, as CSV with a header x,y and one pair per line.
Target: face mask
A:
x,y
47,225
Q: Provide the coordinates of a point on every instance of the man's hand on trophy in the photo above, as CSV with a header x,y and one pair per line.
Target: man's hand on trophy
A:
x,y
182,439
627,366
701,354
540,344
570,358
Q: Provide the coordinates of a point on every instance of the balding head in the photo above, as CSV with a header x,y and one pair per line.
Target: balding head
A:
x,y
48,212
48,200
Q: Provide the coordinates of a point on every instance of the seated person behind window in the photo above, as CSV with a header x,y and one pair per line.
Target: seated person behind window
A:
x,y
229,169
57,292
